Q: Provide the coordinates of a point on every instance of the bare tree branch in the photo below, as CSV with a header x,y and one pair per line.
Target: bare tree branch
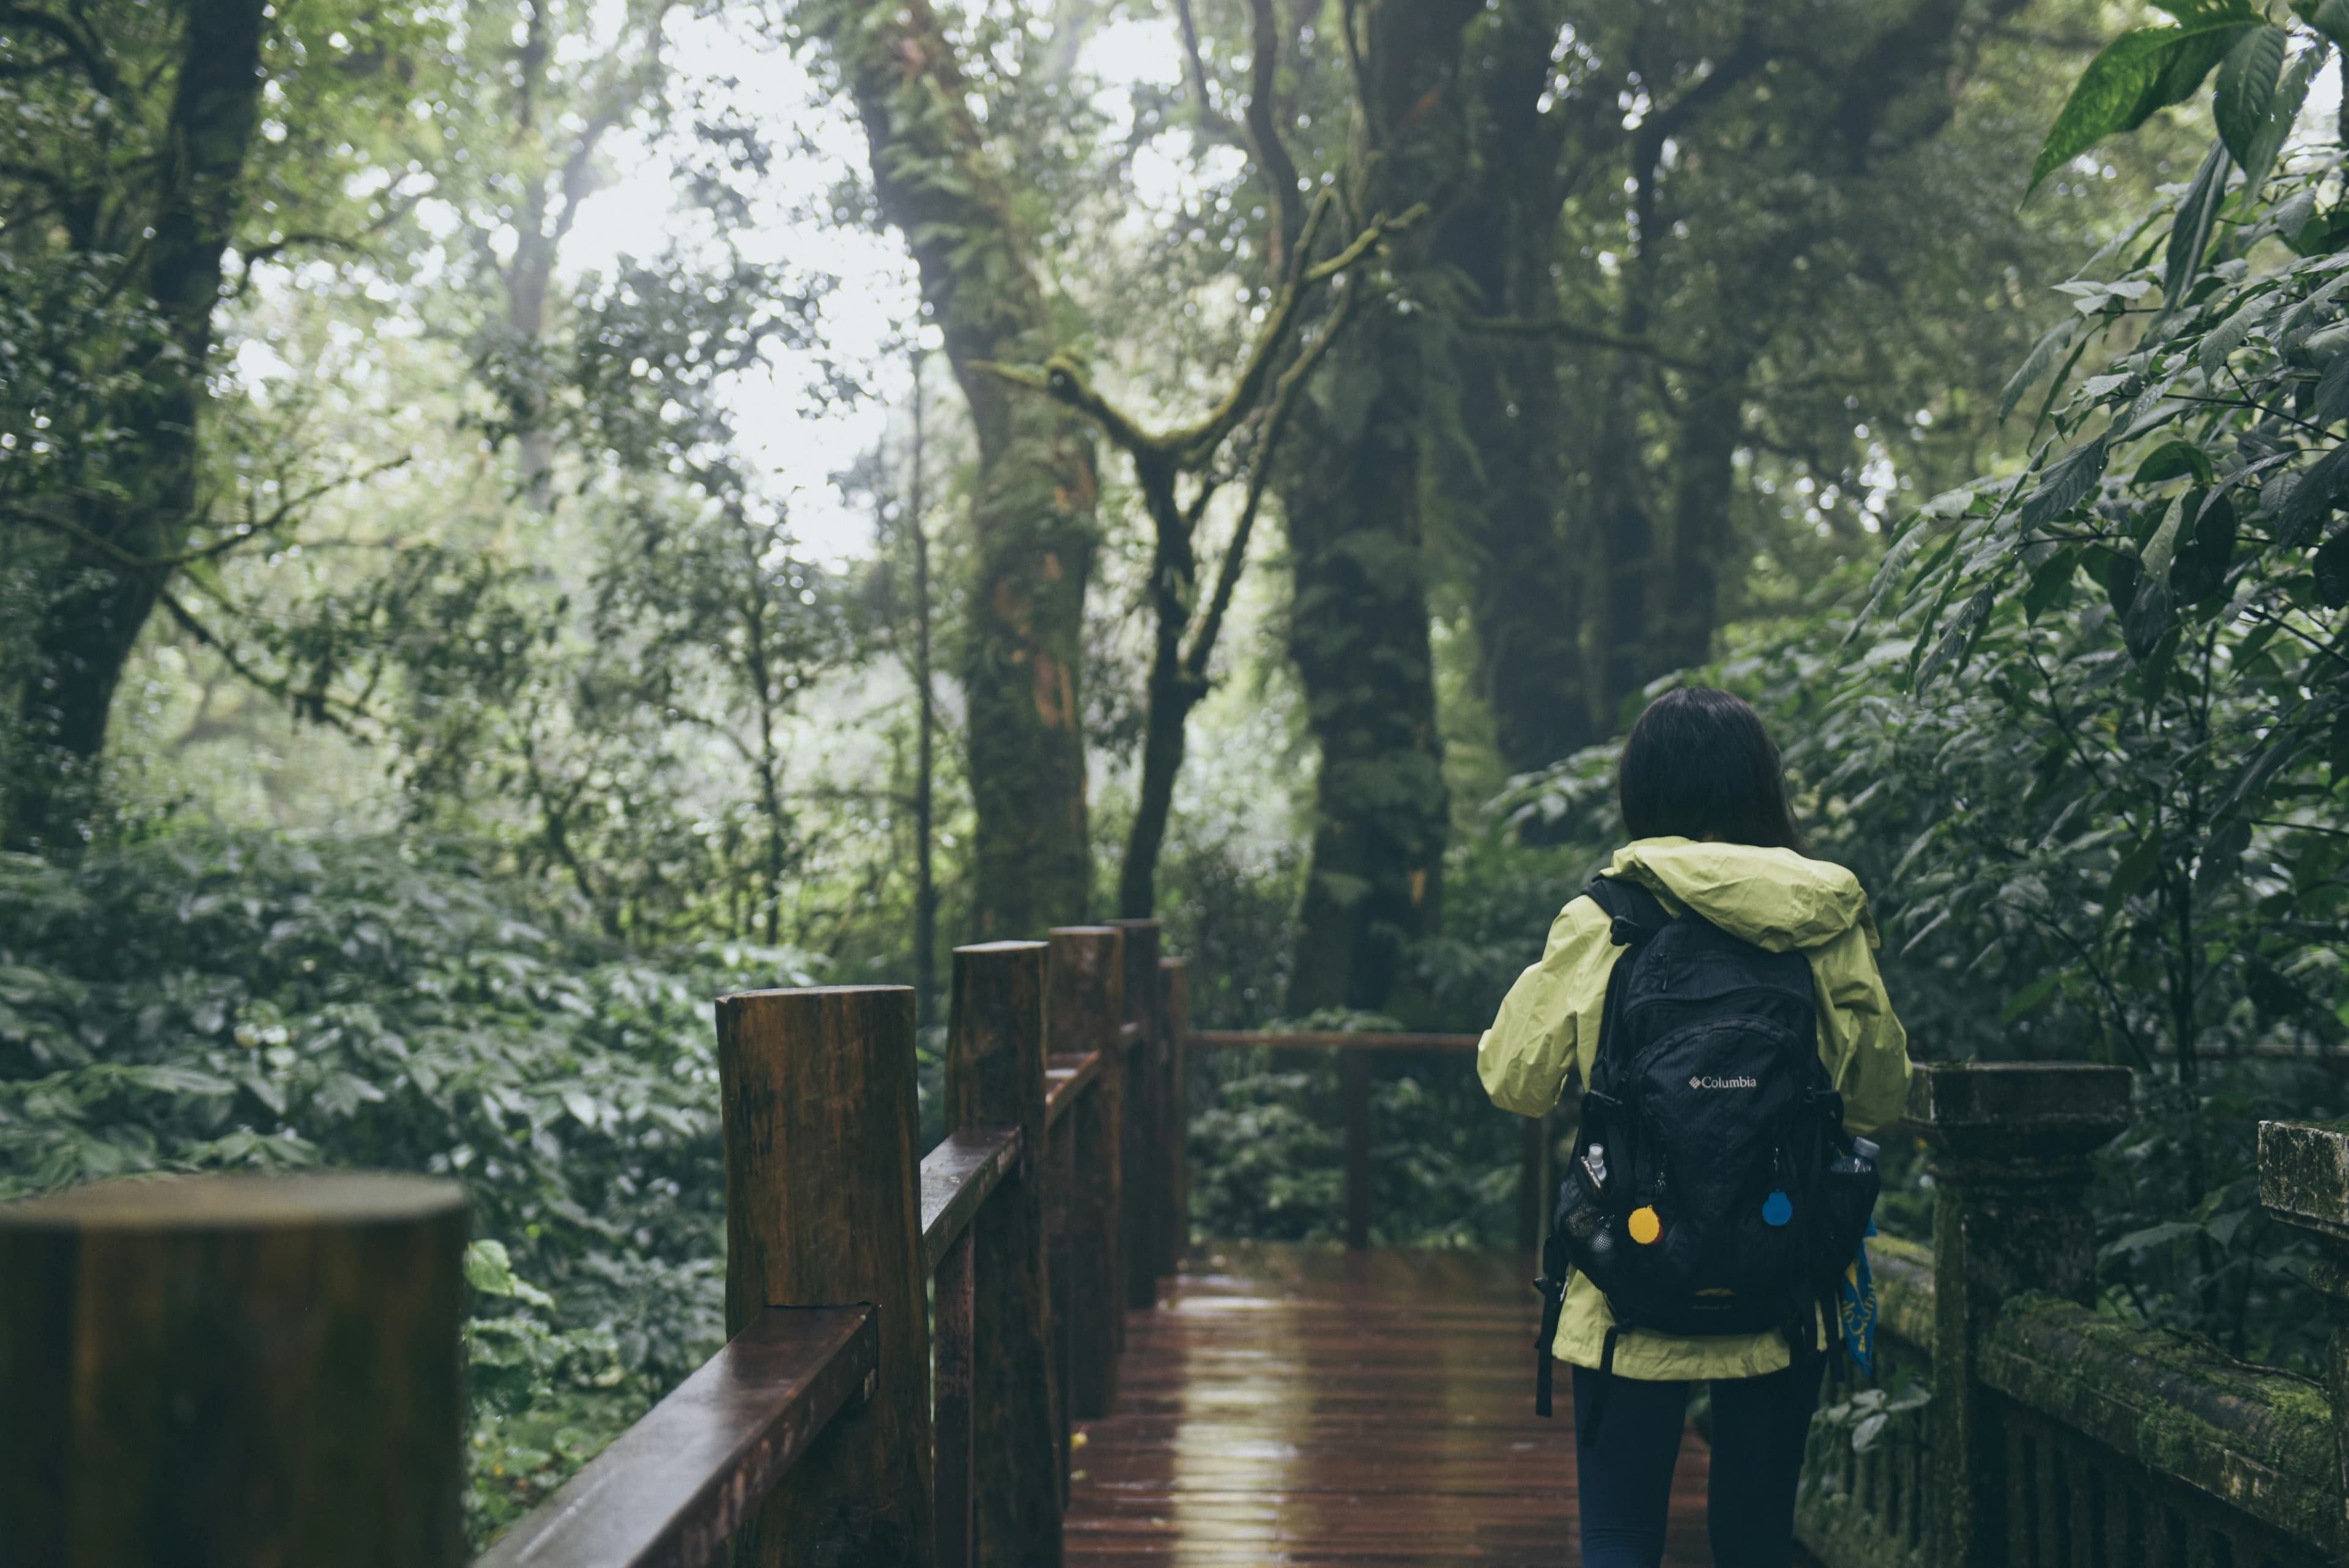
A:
x,y
313,703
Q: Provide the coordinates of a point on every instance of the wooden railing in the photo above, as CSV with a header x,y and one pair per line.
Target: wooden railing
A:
x,y
248,1370
912,1339
2056,1436
1357,1053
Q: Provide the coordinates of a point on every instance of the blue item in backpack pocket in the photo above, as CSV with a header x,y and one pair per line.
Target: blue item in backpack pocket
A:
x,y
1855,1309
1777,1209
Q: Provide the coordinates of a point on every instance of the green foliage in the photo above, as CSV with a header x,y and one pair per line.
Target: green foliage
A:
x,y
2150,69
1267,1146
2107,819
241,1002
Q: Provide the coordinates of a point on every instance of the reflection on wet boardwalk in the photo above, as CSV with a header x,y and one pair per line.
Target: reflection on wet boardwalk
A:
x,y
1303,1405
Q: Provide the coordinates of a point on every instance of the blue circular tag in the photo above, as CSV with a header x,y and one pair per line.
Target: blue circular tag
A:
x,y
1777,1209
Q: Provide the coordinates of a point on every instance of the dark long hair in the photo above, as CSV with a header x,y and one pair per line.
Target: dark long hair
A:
x,y
1700,764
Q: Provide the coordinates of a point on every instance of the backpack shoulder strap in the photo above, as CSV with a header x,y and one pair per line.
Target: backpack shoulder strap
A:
x,y
1638,914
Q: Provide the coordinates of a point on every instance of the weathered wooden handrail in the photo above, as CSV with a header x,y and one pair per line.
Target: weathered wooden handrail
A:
x,y
1014,1221
1066,1076
2055,1436
957,1178
669,1492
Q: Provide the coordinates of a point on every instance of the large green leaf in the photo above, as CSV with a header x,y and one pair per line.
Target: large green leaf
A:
x,y
2283,113
2228,335
2174,460
2330,17
2070,478
2030,996
2198,573
2140,71
2331,400
2246,90
2147,617
2190,236
2331,569
2052,342
2311,498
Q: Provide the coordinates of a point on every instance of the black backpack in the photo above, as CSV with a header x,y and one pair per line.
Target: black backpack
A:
x,y
1713,1188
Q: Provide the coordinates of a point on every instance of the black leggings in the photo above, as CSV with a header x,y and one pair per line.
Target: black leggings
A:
x,y
1625,1470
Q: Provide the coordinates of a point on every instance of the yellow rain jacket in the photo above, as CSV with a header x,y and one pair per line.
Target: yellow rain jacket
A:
x,y
1548,1029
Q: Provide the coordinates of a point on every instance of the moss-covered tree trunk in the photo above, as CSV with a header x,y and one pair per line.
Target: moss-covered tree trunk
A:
x,y
1358,623
130,522
1032,516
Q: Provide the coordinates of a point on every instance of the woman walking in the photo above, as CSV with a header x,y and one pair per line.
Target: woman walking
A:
x,y
1716,1184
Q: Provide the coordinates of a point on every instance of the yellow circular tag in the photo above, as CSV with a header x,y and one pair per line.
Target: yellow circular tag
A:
x,y
1645,1226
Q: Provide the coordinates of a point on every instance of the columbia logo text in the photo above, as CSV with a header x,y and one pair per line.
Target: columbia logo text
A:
x,y
1704,1083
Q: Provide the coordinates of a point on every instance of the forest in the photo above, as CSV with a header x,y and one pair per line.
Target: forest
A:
x,y
518,517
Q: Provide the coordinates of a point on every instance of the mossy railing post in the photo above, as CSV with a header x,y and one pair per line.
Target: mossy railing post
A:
x,y
1084,1013
1145,1115
1176,981
2010,1164
816,1094
2304,1182
995,1077
234,1369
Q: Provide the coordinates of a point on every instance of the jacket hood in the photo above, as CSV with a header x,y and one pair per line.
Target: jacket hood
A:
x,y
1775,898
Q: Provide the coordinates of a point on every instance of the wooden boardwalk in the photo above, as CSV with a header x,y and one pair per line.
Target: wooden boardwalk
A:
x,y
1308,1405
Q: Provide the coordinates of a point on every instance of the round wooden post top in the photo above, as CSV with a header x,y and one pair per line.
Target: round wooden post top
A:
x,y
234,1369
336,1197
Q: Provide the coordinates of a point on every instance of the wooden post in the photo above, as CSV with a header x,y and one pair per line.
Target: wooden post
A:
x,y
957,1434
2304,1182
1354,1091
1177,977
1086,1006
2010,1142
823,1208
1060,1179
233,1370
995,1077
1144,1115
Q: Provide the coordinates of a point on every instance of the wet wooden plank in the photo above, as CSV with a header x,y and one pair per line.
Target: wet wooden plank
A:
x,y
1307,1405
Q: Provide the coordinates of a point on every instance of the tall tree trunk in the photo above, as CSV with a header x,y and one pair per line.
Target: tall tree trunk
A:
x,y
1358,622
1033,515
113,573
1525,585
1700,544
